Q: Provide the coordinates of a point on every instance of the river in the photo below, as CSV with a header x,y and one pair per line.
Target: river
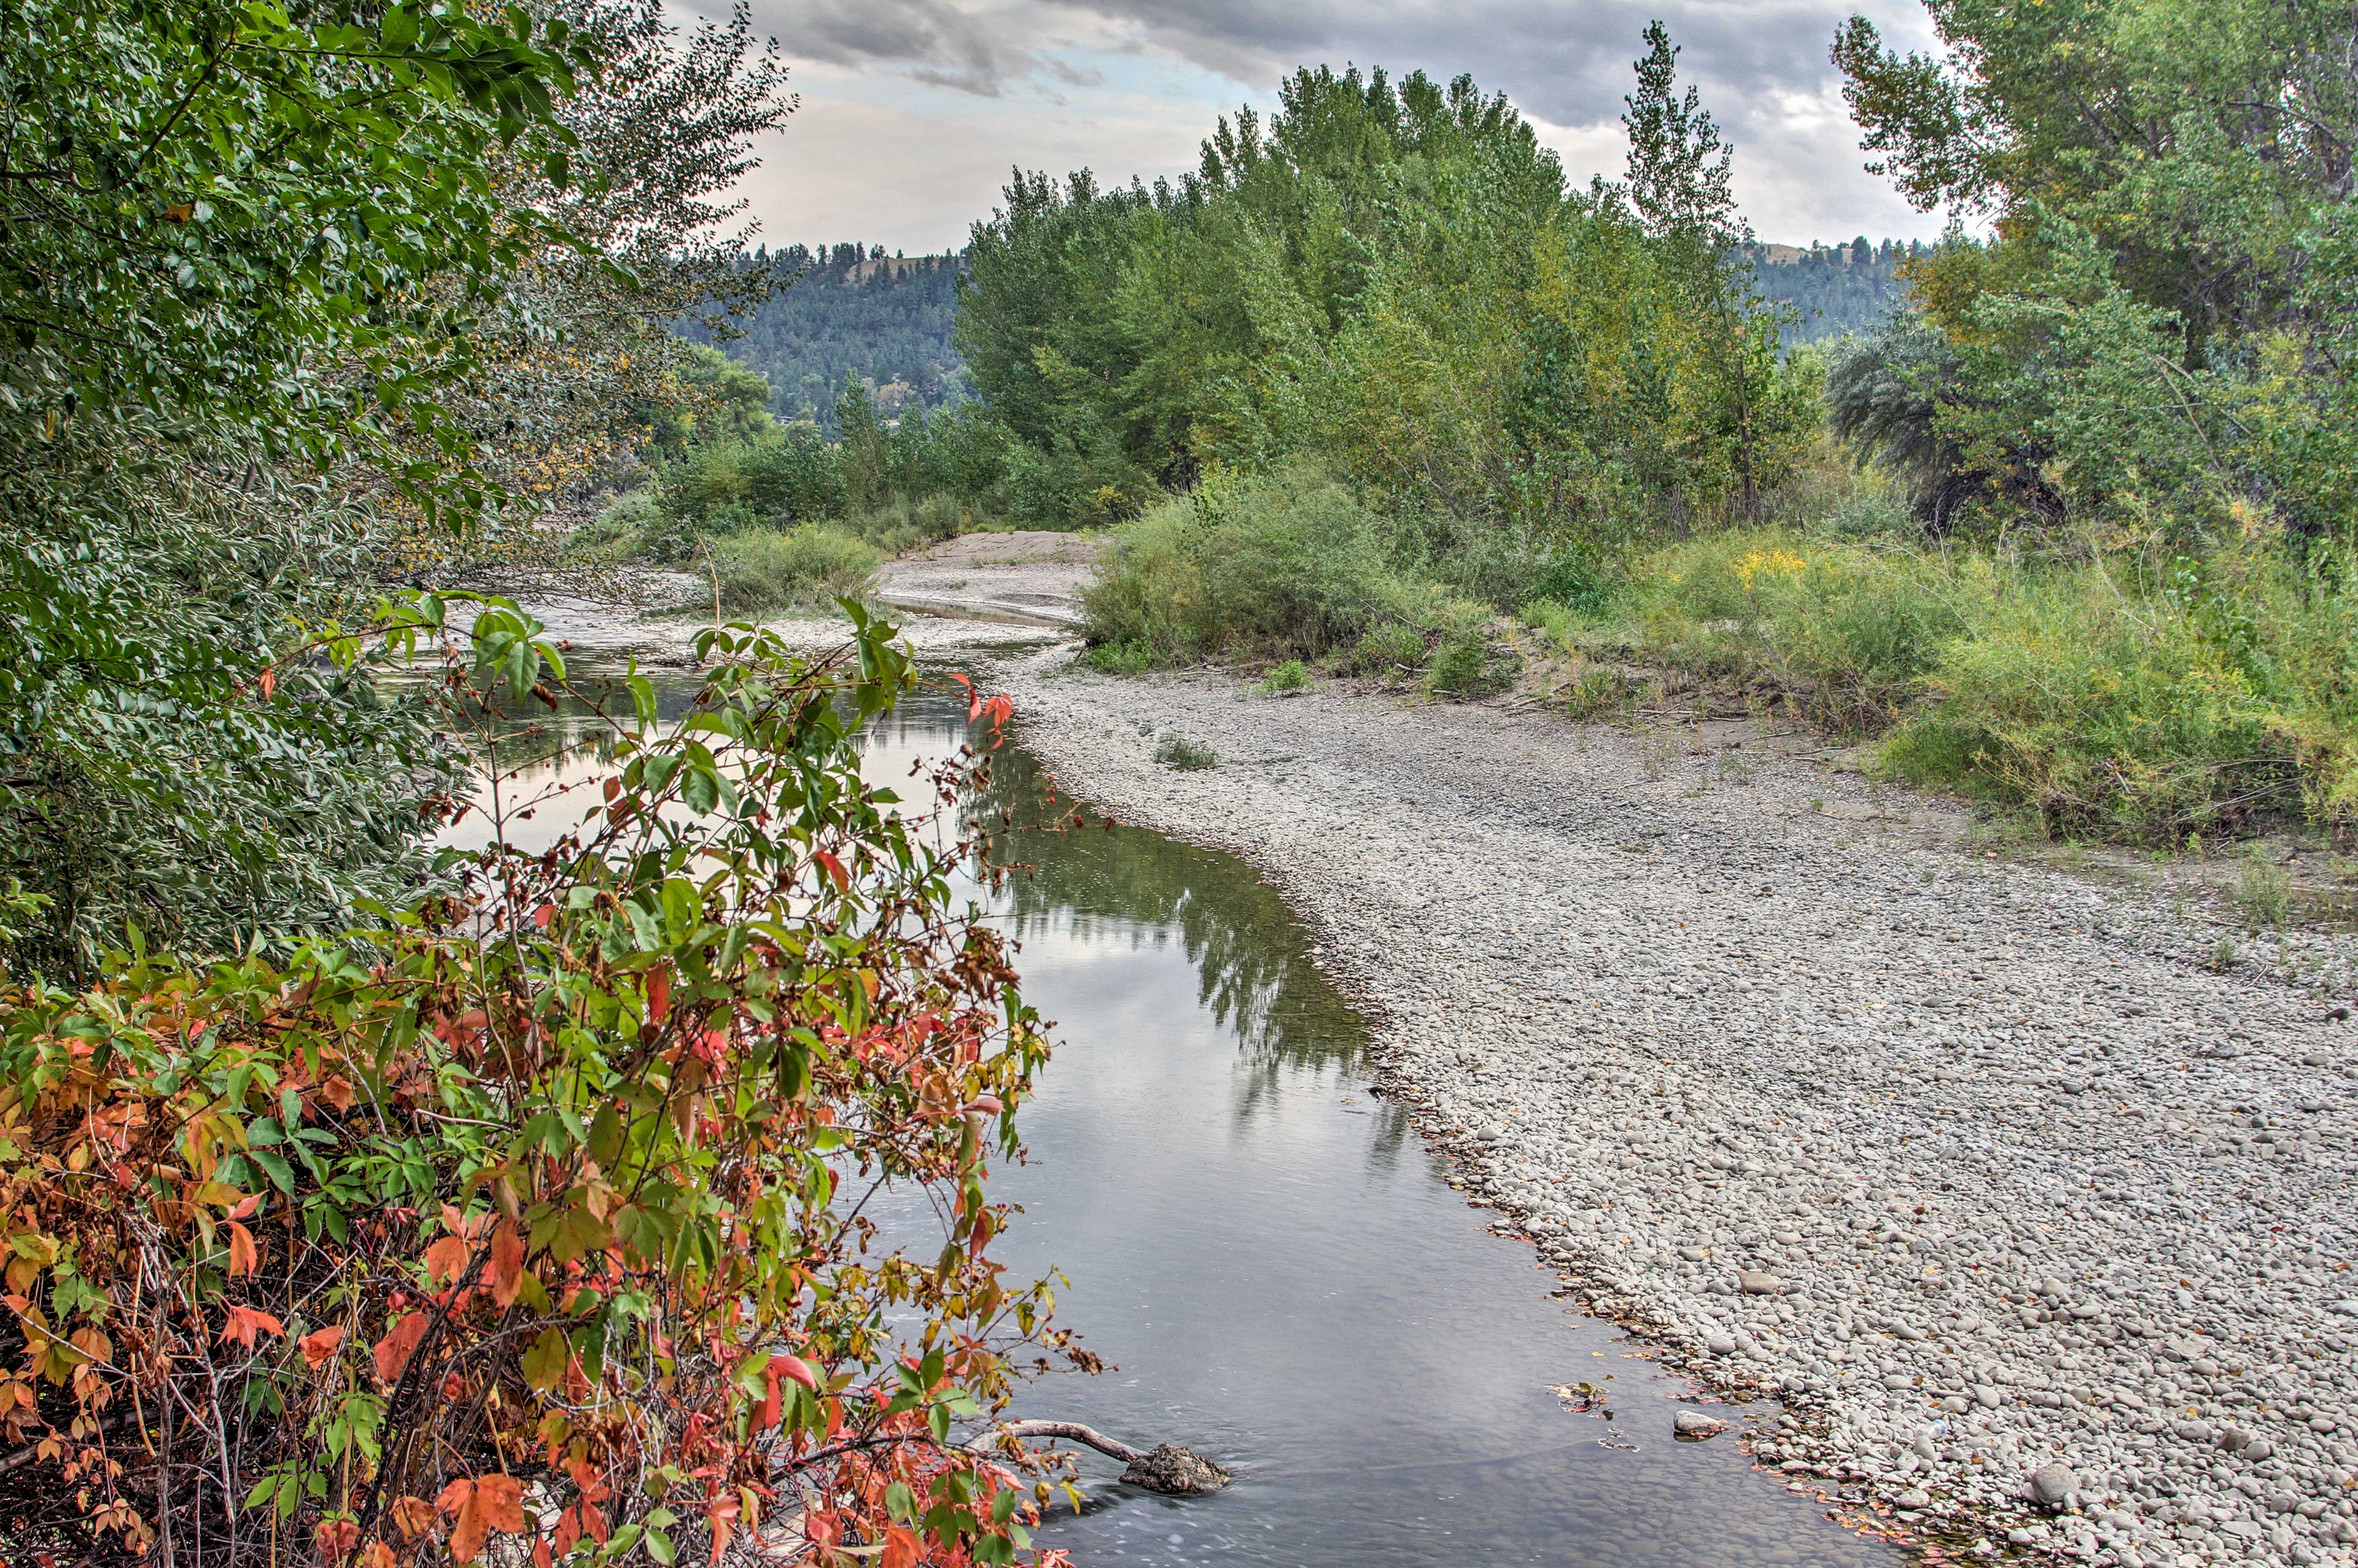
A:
x,y
1278,1272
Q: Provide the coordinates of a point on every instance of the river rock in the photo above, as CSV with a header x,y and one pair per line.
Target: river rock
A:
x,y
1694,1426
2052,1484
1756,1284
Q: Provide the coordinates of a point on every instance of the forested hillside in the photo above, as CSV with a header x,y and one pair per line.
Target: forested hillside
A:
x,y
851,310
1833,289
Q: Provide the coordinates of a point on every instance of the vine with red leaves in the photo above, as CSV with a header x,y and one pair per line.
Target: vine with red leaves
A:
x,y
534,1223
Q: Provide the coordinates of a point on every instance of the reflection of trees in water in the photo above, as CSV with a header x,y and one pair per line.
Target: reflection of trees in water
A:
x,y
1251,956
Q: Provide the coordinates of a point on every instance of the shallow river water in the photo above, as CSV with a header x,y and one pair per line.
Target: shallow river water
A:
x,y
1280,1275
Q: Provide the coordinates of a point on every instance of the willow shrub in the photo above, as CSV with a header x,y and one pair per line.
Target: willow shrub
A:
x,y
2123,696
534,1222
1282,565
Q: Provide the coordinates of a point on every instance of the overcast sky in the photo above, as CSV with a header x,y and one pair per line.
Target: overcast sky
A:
x,y
913,111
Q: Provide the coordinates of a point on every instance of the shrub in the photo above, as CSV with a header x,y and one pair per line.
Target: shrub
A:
x,y
1287,564
1119,658
798,568
1386,650
1466,663
539,1211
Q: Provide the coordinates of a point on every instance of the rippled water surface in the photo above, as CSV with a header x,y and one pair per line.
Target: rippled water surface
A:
x,y
1280,1275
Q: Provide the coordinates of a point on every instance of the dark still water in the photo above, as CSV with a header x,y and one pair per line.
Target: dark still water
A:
x,y
1279,1276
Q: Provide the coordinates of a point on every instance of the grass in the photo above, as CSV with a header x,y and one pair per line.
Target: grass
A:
x,y
2140,698
2263,889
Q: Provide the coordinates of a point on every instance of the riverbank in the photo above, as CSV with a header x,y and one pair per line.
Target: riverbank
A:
x,y
1985,1169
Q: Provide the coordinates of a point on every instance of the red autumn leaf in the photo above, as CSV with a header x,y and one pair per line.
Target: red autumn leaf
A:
x,y
244,1322
544,914
394,1351
335,1538
479,1507
659,993
506,1272
900,1547
834,869
244,1258
269,682
318,1345
244,1210
378,1555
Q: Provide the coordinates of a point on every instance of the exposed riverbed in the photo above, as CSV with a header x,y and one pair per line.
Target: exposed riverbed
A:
x,y
2033,1198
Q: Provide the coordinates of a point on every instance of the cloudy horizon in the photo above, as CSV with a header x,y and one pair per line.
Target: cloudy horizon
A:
x,y
913,111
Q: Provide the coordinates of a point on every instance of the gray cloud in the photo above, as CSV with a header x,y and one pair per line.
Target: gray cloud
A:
x,y
933,40
1761,65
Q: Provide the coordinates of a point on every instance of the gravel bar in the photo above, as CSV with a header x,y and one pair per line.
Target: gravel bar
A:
x,y
2038,1225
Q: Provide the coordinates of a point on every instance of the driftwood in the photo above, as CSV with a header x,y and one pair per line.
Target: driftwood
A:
x,y
1167,1468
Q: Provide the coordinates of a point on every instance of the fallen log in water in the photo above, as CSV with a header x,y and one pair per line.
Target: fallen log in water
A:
x,y
1167,1468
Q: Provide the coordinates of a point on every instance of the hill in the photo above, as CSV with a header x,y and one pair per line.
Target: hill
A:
x,y
1838,288
853,310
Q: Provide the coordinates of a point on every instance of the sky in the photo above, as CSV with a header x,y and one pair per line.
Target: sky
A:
x,y
913,111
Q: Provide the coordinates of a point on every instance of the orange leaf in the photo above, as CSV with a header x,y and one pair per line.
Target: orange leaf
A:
x,y
244,1322
834,869
269,682
481,1506
414,1516
785,1366
394,1351
378,1555
244,1258
507,1263
445,1259
900,1547
659,993
320,1344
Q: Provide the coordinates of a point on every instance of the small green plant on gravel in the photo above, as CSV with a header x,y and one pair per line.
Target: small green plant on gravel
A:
x,y
1125,658
1290,675
1187,756
2263,890
2223,956
1553,621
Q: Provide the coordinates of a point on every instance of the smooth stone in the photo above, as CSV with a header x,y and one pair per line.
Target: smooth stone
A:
x,y
1759,1284
1695,1426
2052,1485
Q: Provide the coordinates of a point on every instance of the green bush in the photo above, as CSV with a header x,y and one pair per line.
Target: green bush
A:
x,y
1288,565
798,568
1119,658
